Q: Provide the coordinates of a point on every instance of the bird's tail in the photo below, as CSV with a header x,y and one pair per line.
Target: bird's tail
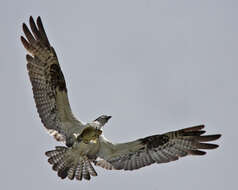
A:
x,y
69,164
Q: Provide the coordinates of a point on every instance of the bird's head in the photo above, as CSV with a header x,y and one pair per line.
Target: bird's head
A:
x,y
103,119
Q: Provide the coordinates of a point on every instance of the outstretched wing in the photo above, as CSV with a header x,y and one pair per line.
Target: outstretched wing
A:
x,y
48,84
155,149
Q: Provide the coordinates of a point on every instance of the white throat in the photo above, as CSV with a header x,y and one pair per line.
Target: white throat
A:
x,y
98,124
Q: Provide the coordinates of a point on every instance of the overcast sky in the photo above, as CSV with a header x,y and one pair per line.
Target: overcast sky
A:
x,y
153,65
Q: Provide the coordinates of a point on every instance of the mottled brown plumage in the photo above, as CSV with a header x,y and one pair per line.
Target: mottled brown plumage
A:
x,y
85,142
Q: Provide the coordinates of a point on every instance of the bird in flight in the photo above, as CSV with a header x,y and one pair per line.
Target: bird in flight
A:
x,y
85,143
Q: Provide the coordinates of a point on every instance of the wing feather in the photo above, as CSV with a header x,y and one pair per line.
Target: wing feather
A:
x,y
157,148
48,83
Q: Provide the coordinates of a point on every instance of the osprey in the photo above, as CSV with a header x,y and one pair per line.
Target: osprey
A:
x,y
85,143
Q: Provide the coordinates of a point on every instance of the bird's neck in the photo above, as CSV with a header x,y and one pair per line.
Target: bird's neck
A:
x,y
97,124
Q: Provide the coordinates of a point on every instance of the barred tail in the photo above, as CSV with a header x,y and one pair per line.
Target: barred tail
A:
x,y
68,164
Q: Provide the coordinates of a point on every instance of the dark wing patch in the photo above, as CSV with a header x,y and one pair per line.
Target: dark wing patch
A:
x,y
155,141
57,78
159,148
48,83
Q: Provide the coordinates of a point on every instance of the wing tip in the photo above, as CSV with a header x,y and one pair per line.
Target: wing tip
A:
x,y
217,136
197,152
194,128
31,19
207,146
208,138
24,26
39,19
39,23
25,43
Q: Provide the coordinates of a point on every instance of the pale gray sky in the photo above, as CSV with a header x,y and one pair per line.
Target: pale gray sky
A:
x,y
153,65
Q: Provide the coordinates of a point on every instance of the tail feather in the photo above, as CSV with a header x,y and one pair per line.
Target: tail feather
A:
x,y
71,172
86,174
52,153
90,168
69,164
56,159
63,172
59,150
79,170
61,165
